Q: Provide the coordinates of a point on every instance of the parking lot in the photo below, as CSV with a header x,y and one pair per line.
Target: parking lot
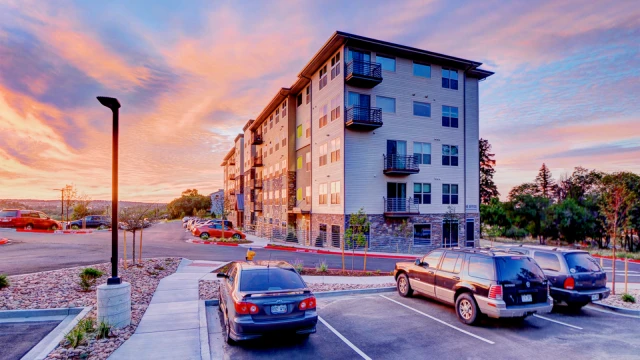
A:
x,y
387,326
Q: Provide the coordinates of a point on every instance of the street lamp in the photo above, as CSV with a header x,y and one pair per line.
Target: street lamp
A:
x,y
61,203
114,105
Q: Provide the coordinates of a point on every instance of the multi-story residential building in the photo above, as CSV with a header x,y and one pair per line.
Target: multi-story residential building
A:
x,y
233,165
370,125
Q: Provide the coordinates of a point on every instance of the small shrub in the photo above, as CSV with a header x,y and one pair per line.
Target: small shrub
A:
x,y
88,278
103,330
378,272
86,325
628,298
158,267
75,337
4,281
322,267
368,273
92,273
298,265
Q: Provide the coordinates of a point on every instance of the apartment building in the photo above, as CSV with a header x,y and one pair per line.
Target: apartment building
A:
x,y
370,125
233,189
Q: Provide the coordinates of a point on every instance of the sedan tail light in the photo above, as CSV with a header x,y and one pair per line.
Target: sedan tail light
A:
x,y
495,292
246,308
569,283
307,304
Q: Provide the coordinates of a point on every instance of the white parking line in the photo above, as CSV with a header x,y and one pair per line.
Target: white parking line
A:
x,y
346,341
440,321
557,322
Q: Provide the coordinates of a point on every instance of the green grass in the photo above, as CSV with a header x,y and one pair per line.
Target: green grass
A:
x,y
619,254
628,298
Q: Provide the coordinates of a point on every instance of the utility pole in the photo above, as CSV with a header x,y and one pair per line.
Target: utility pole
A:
x,y
61,203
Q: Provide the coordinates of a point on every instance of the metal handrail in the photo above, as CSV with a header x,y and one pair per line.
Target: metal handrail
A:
x,y
364,68
400,162
400,205
364,114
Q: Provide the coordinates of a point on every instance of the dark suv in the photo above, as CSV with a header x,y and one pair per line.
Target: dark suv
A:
x,y
27,219
575,277
495,283
92,221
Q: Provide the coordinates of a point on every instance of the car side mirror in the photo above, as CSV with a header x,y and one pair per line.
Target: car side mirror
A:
x,y
222,275
418,262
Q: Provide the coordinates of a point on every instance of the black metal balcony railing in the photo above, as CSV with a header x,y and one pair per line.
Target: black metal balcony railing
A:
x,y
362,117
365,74
257,206
257,161
256,139
256,183
400,165
232,176
400,207
232,191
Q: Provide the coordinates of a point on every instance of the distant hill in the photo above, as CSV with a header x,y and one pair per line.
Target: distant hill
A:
x,y
53,207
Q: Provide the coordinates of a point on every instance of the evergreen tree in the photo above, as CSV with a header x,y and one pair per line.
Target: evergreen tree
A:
x,y
488,188
545,182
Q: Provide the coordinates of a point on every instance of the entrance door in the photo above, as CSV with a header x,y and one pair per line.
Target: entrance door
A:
x,y
335,236
450,233
396,197
470,233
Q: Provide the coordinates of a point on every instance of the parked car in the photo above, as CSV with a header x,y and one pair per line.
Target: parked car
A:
x,y
576,278
258,298
215,230
28,220
92,221
496,283
199,223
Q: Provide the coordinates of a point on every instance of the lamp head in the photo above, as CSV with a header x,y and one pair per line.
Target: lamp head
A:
x,y
111,103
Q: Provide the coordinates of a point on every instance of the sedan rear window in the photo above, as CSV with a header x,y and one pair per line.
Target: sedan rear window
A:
x,y
581,262
517,269
8,213
270,279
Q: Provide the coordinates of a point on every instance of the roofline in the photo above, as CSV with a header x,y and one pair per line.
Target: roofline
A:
x,y
238,137
246,126
273,104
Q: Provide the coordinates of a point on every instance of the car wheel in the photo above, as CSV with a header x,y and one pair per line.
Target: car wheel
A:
x,y
227,337
75,227
54,227
467,309
204,236
236,237
404,288
28,227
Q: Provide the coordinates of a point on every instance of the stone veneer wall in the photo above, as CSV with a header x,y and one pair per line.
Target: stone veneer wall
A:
x,y
328,219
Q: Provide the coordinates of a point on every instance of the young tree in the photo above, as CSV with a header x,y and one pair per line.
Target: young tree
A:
x,y
545,182
81,208
356,234
69,196
488,188
132,220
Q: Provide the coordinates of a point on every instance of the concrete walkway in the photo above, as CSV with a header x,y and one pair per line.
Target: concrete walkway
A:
x,y
174,325
370,280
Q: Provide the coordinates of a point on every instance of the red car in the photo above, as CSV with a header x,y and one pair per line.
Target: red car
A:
x,y
27,219
215,231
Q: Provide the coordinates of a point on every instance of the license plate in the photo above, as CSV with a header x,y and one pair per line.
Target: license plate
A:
x,y
527,298
278,309
595,297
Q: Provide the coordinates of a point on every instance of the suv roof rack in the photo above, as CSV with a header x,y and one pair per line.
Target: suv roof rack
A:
x,y
485,250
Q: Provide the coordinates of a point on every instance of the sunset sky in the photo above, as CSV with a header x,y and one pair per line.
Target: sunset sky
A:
x,y
189,74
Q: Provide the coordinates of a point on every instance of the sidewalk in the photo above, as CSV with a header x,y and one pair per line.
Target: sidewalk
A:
x,y
366,280
172,327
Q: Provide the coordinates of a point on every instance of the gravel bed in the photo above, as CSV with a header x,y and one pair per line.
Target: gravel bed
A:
x,y
208,289
615,300
60,289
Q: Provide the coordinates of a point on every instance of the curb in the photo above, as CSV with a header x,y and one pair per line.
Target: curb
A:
x,y
619,259
617,309
212,302
202,242
328,252
74,232
205,350
4,241
325,294
37,231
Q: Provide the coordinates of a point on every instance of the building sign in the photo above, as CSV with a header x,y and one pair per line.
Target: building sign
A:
x,y
472,207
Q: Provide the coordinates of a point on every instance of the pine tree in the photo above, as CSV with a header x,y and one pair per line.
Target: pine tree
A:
x,y
488,188
545,182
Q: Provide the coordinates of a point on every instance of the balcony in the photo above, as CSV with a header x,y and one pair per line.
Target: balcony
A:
x,y
232,176
257,161
400,207
363,118
232,161
257,206
256,183
363,74
400,165
232,191
256,139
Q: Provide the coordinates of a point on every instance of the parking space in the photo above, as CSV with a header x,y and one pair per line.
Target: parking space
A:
x,y
387,326
17,338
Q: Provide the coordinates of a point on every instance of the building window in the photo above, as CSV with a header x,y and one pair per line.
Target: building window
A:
x,y
449,155
284,109
421,109
335,66
335,192
323,115
299,163
323,77
387,104
308,129
284,165
449,116
323,154
299,99
449,193
284,195
277,115
421,70
387,63
422,234
277,167
322,194
271,122
308,193
299,131
450,79
308,158
264,128
422,153
335,108
421,193
284,141
335,150
307,95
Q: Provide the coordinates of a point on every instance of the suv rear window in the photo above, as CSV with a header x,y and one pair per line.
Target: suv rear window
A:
x,y
547,261
517,269
270,279
481,267
8,213
581,262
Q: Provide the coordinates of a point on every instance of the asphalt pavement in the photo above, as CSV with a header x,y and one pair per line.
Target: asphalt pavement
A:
x,y
16,339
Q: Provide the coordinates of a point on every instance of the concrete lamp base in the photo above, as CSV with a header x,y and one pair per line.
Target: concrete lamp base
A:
x,y
114,304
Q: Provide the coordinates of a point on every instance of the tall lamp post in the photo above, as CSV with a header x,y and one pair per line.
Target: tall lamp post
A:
x,y
61,203
114,298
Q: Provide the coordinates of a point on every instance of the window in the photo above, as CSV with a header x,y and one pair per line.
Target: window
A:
x,y
421,193
433,258
307,124
299,194
547,261
449,193
450,116
335,66
422,234
323,115
335,150
421,109
307,95
270,279
284,109
449,262
264,128
308,161
277,167
387,63
277,144
284,141
299,131
481,267
284,195
422,153
581,262
450,79
323,154
449,155
284,165
335,192
277,115
518,269
299,99
323,77
387,104
421,70
308,193
299,163
322,191
335,108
